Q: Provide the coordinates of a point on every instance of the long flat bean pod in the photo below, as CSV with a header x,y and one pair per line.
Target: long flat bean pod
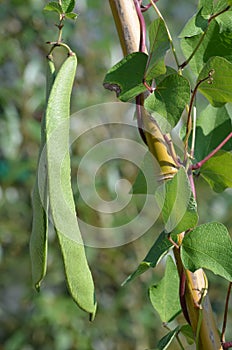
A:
x,y
39,235
62,206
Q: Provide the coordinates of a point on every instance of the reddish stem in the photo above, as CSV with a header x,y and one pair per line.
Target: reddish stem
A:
x,y
211,154
227,345
142,46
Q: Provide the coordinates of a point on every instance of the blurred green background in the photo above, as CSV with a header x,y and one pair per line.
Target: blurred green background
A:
x,y
50,320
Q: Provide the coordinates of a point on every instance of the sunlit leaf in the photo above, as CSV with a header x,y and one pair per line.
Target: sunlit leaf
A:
x,y
68,5
208,246
126,77
187,331
213,125
155,254
159,44
196,25
215,43
165,295
169,99
53,6
220,91
217,171
220,5
147,179
167,339
179,210
71,15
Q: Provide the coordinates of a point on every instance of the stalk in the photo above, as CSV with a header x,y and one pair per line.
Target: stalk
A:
x,y
128,27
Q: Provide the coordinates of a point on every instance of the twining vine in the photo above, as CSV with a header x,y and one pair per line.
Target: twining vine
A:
x,y
171,164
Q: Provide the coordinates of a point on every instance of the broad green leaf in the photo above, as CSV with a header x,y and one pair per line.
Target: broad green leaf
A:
x,y
159,44
213,44
169,99
220,91
220,5
206,6
167,339
169,71
179,210
161,247
71,15
217,171
147,179
225,24
126,77
165,295
187,331
213,125
53,6
196,25
67,5
208,246
229,2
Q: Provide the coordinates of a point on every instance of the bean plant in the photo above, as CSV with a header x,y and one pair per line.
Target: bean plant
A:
x,y
165,101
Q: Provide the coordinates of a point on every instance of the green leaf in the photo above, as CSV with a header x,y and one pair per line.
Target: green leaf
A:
x,y
179,209
169,100
215,43
147,180
71,15
187,331
220,5
167,339
165,295
220,91
208,246
217,171
53,6
206,6
196,25
67,5
169,71
161,247
126,77
159,44
225,24
213,125
229,2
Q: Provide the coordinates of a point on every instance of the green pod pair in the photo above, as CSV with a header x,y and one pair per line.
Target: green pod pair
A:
x,y
55,156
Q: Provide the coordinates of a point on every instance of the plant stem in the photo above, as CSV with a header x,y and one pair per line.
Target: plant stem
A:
x,y
189,118
211,154
179,342
56,44
185,63
168,32
226,313
194,132
227,345
142,45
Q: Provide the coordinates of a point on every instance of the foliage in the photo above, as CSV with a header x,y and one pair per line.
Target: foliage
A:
x,y
50,320
206,44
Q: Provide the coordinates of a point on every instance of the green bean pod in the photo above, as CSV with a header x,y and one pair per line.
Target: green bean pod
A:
x,y
62,206
39,235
